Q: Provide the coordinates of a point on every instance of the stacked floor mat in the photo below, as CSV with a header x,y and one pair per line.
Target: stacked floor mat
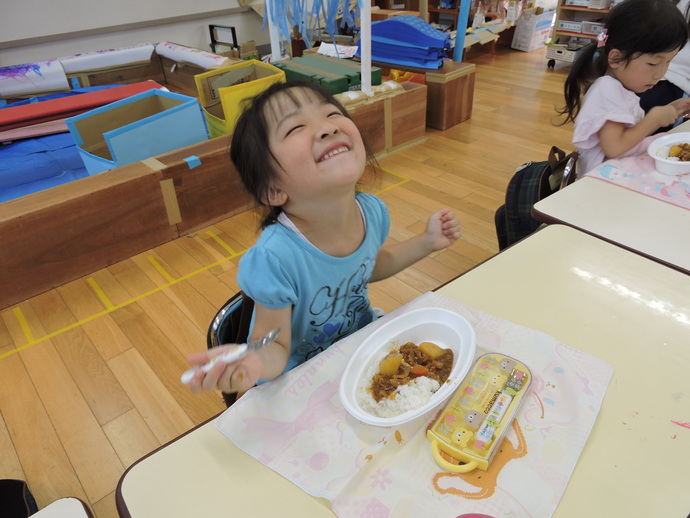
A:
x,y
409,41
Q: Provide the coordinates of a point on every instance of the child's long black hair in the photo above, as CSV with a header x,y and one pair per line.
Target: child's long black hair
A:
x,y
634,27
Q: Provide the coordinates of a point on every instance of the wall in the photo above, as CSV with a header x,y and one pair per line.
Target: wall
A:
x,y
548,5
24,42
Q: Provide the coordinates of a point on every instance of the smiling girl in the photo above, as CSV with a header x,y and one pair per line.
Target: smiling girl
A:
x,y
629,57
301,157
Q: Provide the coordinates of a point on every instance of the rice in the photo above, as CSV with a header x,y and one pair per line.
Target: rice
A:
x,y
407,397
664,151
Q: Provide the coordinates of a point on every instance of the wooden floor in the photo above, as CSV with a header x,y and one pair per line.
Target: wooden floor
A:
x,y
89,372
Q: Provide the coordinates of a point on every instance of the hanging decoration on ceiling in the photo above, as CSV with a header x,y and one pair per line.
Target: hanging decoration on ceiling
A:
x,y
311,19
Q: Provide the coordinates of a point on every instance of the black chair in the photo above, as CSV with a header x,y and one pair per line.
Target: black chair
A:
x,y
16,500
230,326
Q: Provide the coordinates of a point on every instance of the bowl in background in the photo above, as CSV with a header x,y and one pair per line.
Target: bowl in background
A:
x,y
445,328
666,165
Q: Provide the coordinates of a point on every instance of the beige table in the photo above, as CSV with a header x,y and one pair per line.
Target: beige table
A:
x,y
599,298
640,223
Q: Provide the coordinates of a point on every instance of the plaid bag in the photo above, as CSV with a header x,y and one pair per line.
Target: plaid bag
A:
x,y
531,182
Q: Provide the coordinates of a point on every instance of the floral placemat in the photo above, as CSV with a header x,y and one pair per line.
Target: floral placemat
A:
x,y
639,174
297,426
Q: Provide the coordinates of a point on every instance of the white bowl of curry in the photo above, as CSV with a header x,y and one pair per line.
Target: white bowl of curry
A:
x,y
442,335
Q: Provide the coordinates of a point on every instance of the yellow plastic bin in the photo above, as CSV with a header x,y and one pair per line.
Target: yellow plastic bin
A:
x,y
221,91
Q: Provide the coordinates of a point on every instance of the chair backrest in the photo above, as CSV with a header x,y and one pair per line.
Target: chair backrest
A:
x,y
16,500
231,326
231,323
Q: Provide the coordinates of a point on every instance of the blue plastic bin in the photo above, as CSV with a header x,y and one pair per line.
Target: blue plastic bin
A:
x,y
138,127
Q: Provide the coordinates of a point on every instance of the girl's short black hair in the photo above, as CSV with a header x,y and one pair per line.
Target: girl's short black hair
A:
x,y
634,27
249,149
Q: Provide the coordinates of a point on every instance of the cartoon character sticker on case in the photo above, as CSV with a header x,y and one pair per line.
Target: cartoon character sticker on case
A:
x,y
473,424
473,418
462,437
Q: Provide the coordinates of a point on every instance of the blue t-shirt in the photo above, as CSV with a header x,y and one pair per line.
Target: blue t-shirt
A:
x,y
328,294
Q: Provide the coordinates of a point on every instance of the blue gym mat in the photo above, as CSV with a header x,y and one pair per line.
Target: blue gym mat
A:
x,y
407,40
32,165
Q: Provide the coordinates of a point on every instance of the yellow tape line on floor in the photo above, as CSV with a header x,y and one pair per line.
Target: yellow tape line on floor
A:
x,y
110,307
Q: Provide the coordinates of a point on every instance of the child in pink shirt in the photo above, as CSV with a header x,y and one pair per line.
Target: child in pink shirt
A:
x,y
629,57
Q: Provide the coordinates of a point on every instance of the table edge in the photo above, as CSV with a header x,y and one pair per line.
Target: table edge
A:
x,y
121,506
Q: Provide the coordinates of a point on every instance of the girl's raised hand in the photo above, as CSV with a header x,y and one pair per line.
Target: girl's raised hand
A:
x,y
238,376
443,229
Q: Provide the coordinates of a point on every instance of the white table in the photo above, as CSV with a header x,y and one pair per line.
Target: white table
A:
x,y
621,307
641,223
69,507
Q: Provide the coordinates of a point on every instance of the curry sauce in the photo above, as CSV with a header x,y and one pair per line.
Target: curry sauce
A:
x,y
414,362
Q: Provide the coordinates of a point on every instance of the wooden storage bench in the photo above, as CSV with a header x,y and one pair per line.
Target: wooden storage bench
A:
x,y
450,92
395,121
71,230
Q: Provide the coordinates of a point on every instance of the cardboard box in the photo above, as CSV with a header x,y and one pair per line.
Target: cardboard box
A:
x,y
570,26
592,28
562,53
128,74
221,91
181,75
480,37
533,29
136,128
23,115
247,50
335,75
599,4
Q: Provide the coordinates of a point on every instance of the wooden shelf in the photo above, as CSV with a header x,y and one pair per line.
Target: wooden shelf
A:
x,y
578,15
443,11
575,34
582,9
